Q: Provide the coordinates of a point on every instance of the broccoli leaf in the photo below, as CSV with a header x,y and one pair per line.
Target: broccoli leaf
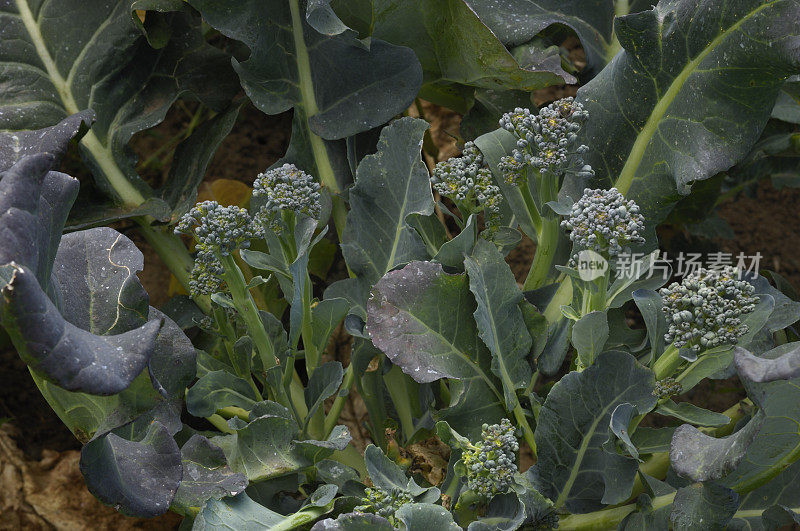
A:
x,y
205,475
771,506
139,477
785,366
266,447
574,469
709,503
95,58
354,522
426,516
518,21
54,139
422,319
499,318
778,442
688,412
33,205
390,185
216,390
687,97
699,457
468,54
241,512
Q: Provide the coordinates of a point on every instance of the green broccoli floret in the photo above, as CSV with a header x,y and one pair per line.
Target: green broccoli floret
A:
x,y
218,231
547,141
286,189
468,183
385,503
491,462
603,221
705,309
667,387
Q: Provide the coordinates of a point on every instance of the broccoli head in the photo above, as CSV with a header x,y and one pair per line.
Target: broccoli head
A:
x,y
603,221
385,502
218,231
468,183
286,188
547,141
667,387
705,309
491,462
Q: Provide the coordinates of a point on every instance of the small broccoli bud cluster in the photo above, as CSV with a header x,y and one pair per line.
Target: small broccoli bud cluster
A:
x,y
603,221
491,463
550,521
667,387
465,179
286,188
547,141
218,231
385,503
705,309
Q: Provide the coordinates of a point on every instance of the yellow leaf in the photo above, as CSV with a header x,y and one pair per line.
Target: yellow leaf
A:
x,y
226,192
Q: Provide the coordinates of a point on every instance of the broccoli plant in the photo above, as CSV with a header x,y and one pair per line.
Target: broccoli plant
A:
x,y
358,275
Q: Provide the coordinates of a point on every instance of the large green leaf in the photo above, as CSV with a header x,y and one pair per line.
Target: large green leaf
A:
x,y
390,185
62,58
518,21
780,493
709,503
458,51
266,447
205,475
574,468
688,96
499,318
778,442
338,85
699,457
422,319
140,477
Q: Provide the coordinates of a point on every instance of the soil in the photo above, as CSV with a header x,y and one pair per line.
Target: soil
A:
x,y
40,485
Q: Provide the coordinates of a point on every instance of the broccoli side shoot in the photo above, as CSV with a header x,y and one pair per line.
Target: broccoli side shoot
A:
x,y
605,222
547,141
469,184
667,387
491,462
385,503
218,230
286,189
705,309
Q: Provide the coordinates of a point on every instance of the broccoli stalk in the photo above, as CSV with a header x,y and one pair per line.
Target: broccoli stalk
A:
x,y
547,150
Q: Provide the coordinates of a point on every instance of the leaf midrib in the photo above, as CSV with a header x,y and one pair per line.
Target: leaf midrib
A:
x,y
587,437
460,354
628,173
101,153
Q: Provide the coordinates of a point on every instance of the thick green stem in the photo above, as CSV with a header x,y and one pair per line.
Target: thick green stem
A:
x,y
547,232
175,256
307,331
220,423
249,311
527,432
608,518
309,103
668,362
546,244
341,399
233,411
398,391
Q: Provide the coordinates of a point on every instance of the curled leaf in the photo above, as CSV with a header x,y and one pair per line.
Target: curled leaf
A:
x,y
762,370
